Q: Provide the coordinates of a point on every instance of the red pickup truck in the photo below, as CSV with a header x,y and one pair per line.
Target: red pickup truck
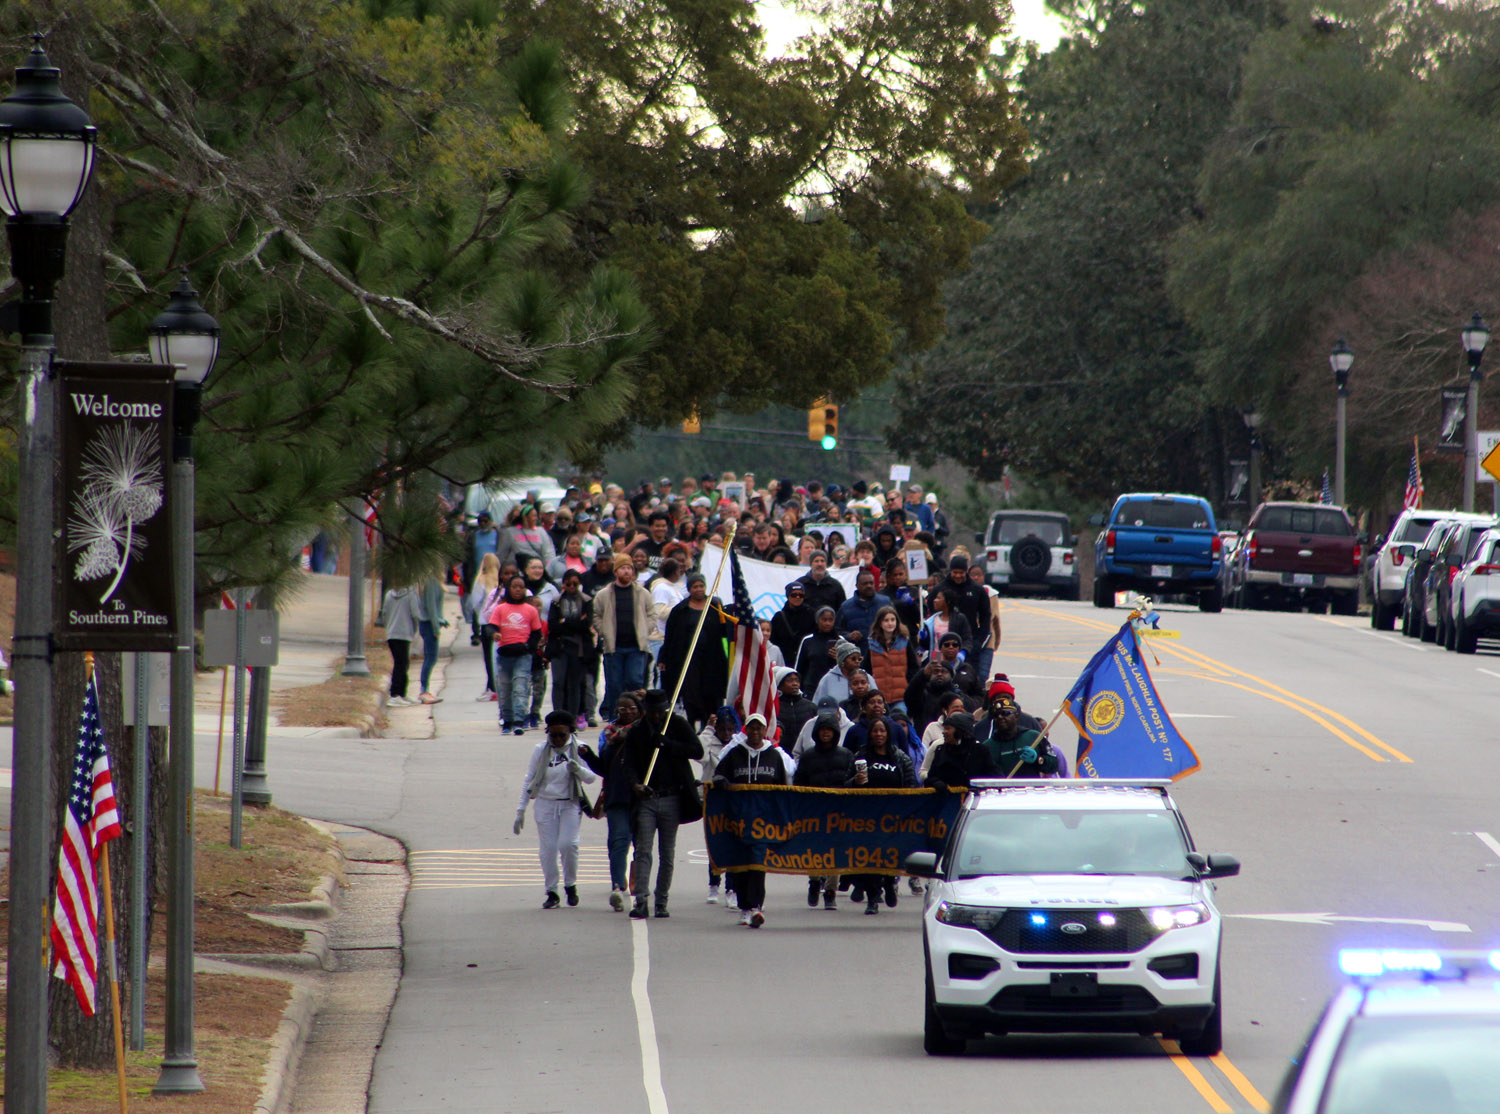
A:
x,y
1299,554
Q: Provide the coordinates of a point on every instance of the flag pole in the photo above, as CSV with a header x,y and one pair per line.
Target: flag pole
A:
x,y
109,936
693,645
1043,735
219,753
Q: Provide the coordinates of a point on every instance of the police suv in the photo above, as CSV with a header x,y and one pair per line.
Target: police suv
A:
x,y
1071,906
1417,1030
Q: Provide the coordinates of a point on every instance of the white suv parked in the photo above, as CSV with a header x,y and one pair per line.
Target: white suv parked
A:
x,y
1388,573
1476,596
1071,906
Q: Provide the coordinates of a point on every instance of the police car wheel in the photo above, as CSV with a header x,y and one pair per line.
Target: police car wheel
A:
x,y
1210,1042
935,1039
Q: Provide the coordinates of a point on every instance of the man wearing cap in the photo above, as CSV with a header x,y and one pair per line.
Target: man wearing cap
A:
x,y
916,508
965,679
658,794
940,528
794,622
752,760
1019,750
835,683
555,779
961,758
704,677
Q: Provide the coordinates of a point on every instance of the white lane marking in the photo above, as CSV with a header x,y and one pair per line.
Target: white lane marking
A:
x,y
5,779
645,1023
1489,841
1334,918
1490,672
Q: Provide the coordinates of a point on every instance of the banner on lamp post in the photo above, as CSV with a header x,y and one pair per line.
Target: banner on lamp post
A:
x,y
114,551
1453,407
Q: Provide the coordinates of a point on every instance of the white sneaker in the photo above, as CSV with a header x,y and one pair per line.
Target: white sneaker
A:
x,y
713,895
485,695
745,917
617,900
757,918
398,702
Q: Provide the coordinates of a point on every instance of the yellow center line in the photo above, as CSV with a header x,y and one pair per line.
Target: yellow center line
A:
x,y
1196,1078
1287,697
1241,1084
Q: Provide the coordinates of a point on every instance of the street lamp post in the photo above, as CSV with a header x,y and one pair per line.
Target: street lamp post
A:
x,y
1341,359
46,159
354,652
1475,336
188,338
1252,423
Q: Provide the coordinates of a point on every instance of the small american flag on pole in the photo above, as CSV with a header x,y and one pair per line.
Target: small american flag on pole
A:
x,y
1413,498
1325,494
91,821
750,681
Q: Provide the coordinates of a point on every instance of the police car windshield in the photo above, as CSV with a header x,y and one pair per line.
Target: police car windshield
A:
x,y
1422,1062
1072,841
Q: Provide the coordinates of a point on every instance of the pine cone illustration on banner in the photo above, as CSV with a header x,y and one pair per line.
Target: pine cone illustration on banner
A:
x,y
121,485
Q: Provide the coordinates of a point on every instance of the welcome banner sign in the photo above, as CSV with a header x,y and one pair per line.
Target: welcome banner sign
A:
x,y
114,553
766,581
793,830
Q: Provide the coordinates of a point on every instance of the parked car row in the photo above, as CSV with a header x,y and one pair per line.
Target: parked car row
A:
x,y
1449,589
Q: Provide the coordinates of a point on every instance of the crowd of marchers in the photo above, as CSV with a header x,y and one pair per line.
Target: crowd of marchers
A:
x,y
888,686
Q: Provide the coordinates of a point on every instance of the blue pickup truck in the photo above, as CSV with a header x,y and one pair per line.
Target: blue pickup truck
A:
x,y
1159,544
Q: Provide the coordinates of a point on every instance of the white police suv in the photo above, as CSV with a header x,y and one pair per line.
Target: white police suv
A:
x,y
1416,1030
1071,906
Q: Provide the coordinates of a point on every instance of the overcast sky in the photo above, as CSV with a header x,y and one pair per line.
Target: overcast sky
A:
x,y
1032,21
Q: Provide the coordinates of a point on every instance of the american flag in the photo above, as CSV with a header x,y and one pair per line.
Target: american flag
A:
x,y
91,821
1413,498
1326,494
751,687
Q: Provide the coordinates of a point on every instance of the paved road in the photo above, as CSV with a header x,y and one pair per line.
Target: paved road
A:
x,y
1353,773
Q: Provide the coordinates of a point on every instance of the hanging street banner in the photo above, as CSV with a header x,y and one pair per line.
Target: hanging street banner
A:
x,y
1123,729
1453,408
766,581
783,829
114,554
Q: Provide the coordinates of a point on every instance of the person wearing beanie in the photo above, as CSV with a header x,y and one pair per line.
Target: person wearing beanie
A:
x,y
752,760
560,768
1002,689
1018,751
970,601
815,653
826,766
961,758
793,707
836,682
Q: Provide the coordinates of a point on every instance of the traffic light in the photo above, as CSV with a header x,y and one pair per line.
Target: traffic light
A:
x,y
817,415
830,438
691,424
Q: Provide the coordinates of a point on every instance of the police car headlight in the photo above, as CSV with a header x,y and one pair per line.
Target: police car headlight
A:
x,y
1167,917
968,916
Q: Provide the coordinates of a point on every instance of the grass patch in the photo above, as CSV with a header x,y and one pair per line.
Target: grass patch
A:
x,y
339,701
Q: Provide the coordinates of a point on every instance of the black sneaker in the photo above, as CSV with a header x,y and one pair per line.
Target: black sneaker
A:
x,y
856,893
829,902
572,892
552,901
890,893
814,888
872,908
661,912
638,911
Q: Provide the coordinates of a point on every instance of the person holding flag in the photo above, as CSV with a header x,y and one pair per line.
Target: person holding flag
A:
x,y
752,678
1018,751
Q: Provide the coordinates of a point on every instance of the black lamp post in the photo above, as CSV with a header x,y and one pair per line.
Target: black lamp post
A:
x,y
46,158
1341,359
185,336
1475,336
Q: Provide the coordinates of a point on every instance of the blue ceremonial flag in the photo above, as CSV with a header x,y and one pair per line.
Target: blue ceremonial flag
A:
x,y
1123,729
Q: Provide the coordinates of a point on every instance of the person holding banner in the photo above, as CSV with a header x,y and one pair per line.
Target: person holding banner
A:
x,y
826,766
752,760
880,764
658,751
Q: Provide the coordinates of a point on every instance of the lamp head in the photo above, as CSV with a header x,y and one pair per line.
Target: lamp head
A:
x,y
1341,359
1475,336
46,143
185,335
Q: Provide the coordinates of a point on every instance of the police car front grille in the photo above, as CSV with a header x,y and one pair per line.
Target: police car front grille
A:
x,y
1107,999
1050,931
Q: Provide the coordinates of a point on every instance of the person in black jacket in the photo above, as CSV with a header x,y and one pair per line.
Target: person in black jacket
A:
x,y
961,758
616,801
822,589
793,707
964,678
926,694
752,762
792,623
570,638
815,654
658,793
826,766
880,764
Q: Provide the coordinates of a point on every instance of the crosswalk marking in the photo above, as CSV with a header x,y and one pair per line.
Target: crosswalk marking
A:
x,y
495,868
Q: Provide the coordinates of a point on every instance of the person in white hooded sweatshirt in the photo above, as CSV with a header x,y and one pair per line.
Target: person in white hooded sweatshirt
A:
x,y
555,781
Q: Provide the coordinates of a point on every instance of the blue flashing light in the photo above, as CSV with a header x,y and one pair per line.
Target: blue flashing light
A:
x,y
1372,962
1495,960
1039,918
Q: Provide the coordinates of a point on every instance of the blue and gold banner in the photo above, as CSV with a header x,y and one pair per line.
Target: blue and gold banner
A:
x,y
1123,729
793,830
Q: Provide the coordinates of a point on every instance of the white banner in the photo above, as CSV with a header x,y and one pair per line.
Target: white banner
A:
x,y
766,581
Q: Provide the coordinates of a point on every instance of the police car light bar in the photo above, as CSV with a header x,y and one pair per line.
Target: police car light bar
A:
x,y
1369,963
1071,783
